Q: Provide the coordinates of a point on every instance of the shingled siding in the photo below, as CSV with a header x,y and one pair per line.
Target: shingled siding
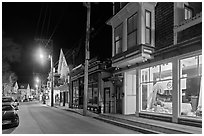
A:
x,y
189,33
164,23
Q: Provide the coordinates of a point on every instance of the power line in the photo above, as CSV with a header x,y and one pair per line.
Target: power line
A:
x,y
36,32
43,22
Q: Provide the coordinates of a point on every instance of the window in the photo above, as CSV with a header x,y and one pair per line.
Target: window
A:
x,y
147,27
190,86
75,93
118,39
188,12
132,31
93,90
156,89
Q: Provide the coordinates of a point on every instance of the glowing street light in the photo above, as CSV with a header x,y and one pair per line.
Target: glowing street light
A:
x,y
42,55
37,80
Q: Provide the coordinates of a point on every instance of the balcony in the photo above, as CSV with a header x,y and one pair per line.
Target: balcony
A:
x,y
188,29
132,56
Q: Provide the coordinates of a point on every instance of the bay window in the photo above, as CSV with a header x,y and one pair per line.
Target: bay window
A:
x,y
118,39
132,31
147,27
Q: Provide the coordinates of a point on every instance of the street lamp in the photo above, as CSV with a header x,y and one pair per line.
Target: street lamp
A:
x,y
37,80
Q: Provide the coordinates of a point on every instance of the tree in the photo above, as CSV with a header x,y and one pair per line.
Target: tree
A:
x,y
11,52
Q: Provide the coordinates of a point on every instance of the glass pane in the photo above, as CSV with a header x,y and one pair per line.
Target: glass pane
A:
x,y
147,36
118,47
145,75
144,96
189,67
200,65
148,18
132,39
166,71
89,95
159,97
118,31
95,94
154,73
135,21
191,97
130,24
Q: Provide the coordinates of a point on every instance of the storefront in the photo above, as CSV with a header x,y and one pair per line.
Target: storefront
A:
x,y
169,89
96,87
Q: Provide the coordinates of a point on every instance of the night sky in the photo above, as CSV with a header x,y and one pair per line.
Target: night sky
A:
x,y
23,22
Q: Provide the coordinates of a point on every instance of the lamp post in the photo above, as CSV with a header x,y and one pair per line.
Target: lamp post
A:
x,y
52,80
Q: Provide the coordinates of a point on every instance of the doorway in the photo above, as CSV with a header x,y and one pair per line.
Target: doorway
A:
x,y
107,100
118,90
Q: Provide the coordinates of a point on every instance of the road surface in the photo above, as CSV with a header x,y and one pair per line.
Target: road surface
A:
x,y
36,118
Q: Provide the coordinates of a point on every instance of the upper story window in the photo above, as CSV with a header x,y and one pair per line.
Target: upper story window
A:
x,y
147,27
118,39
132,31
188,12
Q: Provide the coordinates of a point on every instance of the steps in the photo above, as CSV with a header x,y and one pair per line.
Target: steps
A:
x,y
148,127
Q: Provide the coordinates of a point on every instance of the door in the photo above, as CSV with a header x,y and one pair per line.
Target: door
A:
x,y
119,99
107,100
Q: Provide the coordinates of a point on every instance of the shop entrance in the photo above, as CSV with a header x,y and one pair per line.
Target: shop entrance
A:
x,y
107,100
118,99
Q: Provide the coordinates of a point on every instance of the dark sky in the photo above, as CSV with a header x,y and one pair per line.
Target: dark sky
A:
x,y
23,22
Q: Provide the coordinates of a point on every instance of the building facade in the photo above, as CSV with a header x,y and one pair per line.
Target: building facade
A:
x,y
157,53
97,88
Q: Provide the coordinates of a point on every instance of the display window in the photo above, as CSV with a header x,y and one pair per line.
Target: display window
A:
x,y
190,86
156,89
75,93
93,90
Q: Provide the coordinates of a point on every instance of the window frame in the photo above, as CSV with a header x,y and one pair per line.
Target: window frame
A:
x,y
148,27
133,30
189,10
119,39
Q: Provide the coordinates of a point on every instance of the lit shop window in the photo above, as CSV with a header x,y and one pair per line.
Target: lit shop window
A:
x,y
75,94
156,89
190,86
93,90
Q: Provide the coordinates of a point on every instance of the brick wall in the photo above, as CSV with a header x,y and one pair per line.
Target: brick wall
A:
x,y
164,22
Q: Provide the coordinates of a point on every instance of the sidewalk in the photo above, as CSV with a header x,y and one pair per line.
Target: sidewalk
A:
x,y
143,125
79,111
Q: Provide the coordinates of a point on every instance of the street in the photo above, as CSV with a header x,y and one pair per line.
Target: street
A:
x,y
36,118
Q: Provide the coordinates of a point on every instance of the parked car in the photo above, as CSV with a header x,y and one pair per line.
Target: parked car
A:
x,y
10,100
25,100
9,115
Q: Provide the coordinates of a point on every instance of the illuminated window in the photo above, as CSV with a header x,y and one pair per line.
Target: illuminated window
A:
x,y
190,86
156,89
188,12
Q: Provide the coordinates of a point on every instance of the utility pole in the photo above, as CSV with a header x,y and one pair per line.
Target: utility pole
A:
x,y
88,6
